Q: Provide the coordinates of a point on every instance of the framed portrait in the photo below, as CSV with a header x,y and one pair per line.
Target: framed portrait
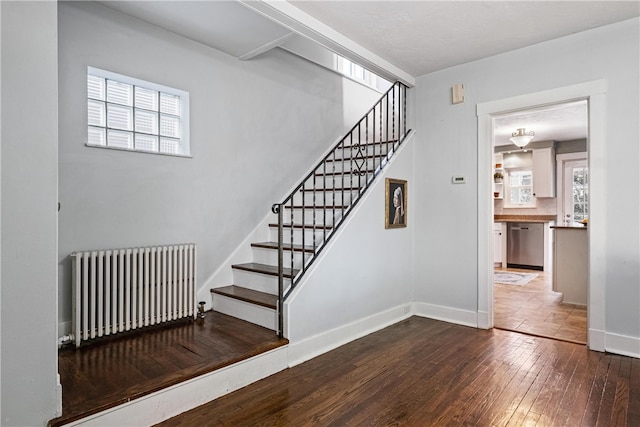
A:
x,y
395,214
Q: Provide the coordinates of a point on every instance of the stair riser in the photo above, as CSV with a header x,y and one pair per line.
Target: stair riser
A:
x,y
270,257
353,164
297,236
371,150
323,198
257,281
321,217
331,182
253,313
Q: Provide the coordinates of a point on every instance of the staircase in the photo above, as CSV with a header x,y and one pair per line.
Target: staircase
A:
x,y
307,219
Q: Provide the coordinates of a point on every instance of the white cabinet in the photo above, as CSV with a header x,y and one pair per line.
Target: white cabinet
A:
x,y
497,243
570,264
544,172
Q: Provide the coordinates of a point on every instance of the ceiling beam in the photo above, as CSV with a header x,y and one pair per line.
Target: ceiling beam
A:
x,y
265,47
296,20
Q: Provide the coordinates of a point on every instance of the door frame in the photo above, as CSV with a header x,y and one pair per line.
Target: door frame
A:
x,y
595,94
562,162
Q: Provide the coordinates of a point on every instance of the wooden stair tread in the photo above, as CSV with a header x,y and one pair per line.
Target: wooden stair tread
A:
x,y
345,173
271,270
309,226
316,207
248,295
332,189
285,246
353,158
368,144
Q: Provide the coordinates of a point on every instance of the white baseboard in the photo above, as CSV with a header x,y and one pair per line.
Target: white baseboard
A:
x,y
446,314
622,344
167,403
309,348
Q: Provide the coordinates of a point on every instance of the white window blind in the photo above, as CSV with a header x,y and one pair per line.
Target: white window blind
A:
x,y
131,114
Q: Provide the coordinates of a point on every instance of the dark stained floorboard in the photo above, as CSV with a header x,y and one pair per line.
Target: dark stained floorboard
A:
x,y
104,374
422,372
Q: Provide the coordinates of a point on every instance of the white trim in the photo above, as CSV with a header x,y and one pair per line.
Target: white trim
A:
x,y
314,346
595,92
622,344
446,314
169,402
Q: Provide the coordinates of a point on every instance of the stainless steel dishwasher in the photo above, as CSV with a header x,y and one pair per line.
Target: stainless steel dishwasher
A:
x,y
525,245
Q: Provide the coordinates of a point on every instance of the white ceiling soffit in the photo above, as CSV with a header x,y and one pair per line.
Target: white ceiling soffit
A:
x,y
227,26
421,37
560,122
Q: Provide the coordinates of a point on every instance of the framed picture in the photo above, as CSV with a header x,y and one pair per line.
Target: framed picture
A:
x,y
395,214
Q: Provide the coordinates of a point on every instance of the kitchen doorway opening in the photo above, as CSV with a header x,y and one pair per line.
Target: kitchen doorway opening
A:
x,y
594,94
529,216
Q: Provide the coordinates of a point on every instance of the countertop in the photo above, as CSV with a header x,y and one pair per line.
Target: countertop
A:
x,y
524,218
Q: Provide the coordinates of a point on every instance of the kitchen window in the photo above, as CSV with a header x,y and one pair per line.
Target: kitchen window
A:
x,y
125,113
519,189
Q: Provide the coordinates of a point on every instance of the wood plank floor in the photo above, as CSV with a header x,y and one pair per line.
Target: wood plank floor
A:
x,y
106,374
535,309
422,372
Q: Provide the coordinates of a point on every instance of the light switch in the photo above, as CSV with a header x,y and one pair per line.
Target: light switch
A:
x,y
457,93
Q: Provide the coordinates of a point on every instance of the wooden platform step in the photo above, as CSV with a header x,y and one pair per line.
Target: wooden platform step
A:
x,y
248,295
286,246
270,270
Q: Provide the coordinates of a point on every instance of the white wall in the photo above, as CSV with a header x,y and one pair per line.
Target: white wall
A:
x,y
256,127
446,242
363,278
28,198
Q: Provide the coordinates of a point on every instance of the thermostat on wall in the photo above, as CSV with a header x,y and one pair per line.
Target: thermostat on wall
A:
x,y
458,179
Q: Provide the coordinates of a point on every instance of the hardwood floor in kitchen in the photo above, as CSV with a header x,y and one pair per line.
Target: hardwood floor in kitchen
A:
x,y
535,309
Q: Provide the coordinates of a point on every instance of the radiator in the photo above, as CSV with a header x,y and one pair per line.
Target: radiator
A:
x,y
120,290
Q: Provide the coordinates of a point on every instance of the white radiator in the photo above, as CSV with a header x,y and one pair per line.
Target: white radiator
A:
x,y
123,289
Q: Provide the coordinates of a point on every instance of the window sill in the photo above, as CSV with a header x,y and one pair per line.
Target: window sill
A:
x,y
184,156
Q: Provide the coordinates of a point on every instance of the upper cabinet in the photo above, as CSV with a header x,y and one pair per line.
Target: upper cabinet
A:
x,y
544,172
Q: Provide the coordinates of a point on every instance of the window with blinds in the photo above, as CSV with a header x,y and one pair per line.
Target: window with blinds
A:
x,y
131,114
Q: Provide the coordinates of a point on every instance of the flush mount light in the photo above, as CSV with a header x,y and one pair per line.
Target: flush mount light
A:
x,y
521,137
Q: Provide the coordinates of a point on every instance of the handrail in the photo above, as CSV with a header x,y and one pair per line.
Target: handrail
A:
x,y
362,153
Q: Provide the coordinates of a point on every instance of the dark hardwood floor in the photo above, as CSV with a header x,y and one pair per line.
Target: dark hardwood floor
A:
x,y
105,374
423,372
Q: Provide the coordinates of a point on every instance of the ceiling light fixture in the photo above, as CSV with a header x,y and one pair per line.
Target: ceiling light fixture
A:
x,y
521,137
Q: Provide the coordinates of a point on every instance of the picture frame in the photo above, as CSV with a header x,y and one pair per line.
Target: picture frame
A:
x,y
395,212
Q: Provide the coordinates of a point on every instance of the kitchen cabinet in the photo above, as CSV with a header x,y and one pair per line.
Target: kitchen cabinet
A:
x,y
498,240
544,172
570,264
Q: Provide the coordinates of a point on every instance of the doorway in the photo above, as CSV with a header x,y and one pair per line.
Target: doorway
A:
x,y
594,93
528,213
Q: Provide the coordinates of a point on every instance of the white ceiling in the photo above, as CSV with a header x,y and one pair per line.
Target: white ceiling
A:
x,y
417,36
425,36
562,122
